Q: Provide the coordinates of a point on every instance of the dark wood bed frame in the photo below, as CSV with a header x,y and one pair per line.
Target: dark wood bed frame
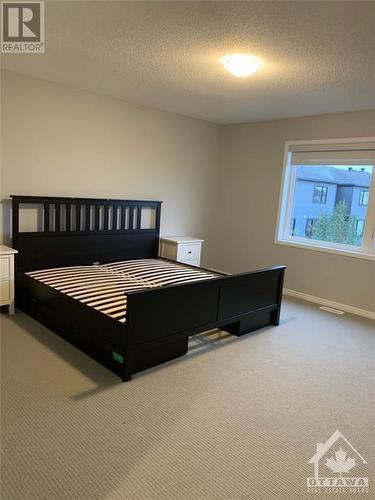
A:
x,y
82,231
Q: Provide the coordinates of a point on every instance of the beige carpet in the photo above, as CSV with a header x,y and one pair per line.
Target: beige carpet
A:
x,y
235,419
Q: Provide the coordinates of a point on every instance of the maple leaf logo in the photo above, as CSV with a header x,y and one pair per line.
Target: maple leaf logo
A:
x,y
340,463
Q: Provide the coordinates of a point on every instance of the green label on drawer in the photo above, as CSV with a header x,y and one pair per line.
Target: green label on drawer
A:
x,y
117,357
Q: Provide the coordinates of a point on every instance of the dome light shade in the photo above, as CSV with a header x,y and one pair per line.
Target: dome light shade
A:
x,y
241,65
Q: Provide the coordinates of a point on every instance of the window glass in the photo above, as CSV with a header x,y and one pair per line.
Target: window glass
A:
x,y
329,203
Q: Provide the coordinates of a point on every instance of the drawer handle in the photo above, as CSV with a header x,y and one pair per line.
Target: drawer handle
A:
x,y
189,251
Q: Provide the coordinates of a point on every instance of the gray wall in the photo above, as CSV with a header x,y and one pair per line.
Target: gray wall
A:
x,y
221,184
247,204
58,140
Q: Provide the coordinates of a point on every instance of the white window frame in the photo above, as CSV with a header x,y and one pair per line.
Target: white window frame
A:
x,y
283,237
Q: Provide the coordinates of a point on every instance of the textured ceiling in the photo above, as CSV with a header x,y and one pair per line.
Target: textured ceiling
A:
x,y
319,56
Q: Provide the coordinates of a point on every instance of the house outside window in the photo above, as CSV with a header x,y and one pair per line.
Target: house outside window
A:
x,y
363,198
320,194
327,200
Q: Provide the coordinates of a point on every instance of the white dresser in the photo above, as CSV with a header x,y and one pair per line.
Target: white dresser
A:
x,y
182,249
7,277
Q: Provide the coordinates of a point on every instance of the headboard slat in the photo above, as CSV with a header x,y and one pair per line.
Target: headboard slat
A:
x,y
57,217
106,216
46,217
97,217
88,218
68,212
139,215
114,217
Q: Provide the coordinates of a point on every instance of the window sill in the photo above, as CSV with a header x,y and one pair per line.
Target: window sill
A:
x,y
326,249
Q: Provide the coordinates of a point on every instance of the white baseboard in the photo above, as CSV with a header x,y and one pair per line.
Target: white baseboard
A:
x,y
319,300
330,303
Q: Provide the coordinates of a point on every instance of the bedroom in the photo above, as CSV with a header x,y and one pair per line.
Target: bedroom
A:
x,y
132,101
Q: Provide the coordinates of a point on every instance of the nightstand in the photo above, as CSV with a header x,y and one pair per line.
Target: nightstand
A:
x,y
182,249
7,277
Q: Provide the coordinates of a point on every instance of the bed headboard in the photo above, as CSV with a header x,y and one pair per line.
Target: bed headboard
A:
x,y
81,231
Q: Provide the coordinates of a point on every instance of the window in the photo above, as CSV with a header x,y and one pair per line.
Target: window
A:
x,y
363,198
327,200
320,194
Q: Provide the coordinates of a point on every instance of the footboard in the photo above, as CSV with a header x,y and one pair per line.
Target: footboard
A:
x,y
159,321
251,301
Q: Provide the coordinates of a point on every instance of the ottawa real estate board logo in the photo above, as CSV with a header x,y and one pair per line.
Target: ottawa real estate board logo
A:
x,y
22,27
334,463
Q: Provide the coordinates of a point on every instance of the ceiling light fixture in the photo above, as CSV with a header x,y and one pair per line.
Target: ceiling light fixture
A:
x,y
241,65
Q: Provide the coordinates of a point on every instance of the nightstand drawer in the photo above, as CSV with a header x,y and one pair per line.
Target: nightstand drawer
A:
x,y
190,251
183,249
4,292
4,268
